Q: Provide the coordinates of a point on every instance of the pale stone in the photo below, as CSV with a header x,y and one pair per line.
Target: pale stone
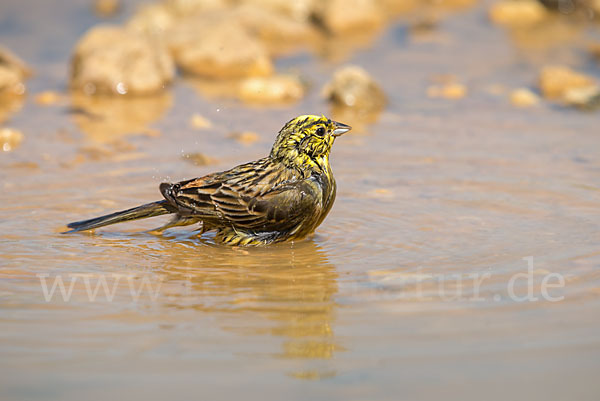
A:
x,y
353,87
523,97
554,81
113,60
275,89
517,12
215,48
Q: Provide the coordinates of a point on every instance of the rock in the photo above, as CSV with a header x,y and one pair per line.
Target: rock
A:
x,y
199,122
523,97
11,81
587,98
454,4
10,60
450,90
245,137
113,60
380,193
10,103
517,12
10,138
424,26
13,72
198,159
298,10
275,89
215,48
555,81
584,8
555,33
392,8
278,30
159,18
107,8
352,87
152,19
595,50
47,98
341,16
185,8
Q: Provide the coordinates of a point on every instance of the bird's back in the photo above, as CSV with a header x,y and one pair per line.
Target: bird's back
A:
x,y
258,202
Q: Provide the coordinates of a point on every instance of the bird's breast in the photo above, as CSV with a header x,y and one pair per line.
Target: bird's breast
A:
x,y
325,188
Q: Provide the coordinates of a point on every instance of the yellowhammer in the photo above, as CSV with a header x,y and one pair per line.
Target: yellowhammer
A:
x,y
282,197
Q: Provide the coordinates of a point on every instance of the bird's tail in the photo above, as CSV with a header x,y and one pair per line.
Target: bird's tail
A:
x,y
141,212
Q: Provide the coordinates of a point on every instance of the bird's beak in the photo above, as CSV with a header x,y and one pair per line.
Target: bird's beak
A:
x,y
340,128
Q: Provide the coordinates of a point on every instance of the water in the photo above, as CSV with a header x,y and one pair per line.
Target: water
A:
x,y
403,293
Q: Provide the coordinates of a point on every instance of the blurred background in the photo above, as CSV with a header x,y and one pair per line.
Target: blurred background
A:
x,y
460,259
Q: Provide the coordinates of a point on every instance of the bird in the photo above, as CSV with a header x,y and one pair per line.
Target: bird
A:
x,y
282,197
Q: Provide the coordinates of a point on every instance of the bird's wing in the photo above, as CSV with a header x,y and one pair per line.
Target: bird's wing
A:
x,y
252,196
275,210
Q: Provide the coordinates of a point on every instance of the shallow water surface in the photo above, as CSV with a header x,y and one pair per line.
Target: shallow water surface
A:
x,y
461,258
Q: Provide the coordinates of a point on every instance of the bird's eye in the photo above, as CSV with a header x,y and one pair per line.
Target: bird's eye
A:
x,y
320,131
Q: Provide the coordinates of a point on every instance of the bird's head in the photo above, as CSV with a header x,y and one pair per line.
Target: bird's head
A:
x,y
306,140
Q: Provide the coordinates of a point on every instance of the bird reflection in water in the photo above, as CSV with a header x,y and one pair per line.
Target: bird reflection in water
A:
x,y
291,285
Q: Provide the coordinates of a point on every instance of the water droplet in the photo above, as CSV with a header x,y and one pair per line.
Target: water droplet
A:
x,y
121,88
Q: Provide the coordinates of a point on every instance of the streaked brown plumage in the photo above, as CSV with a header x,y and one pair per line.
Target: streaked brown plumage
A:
x,y
284,196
